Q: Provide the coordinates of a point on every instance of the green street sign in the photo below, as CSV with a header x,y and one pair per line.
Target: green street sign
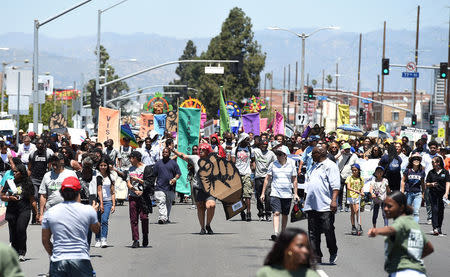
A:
x,y
445,118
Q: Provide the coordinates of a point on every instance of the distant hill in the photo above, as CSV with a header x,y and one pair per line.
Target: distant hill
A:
x,y
73,59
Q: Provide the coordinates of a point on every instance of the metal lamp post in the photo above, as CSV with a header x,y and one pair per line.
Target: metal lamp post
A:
x,y
303,36
37,25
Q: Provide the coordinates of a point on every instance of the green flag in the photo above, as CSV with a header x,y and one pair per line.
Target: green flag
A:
x,y
224,118
188,136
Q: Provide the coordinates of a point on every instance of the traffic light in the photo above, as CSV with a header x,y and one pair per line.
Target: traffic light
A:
x,y
291,96
311,93
443,69
385,66
96,99
431,119
414,120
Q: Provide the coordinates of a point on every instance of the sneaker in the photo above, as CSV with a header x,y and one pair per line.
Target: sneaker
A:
x,y
160,221
273,237
249,216
333,258
268,218
193,207
243,217
346,209
360,229
22,258
261,218
104,244
436,232
98,244
135,244
354,230
145,241
439,231
202,231
210,231
429,222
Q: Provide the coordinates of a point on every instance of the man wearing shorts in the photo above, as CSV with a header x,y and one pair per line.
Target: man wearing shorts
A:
x,y
244,160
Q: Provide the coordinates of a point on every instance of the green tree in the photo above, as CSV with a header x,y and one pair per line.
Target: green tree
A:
x,y
46,112
235,41
329,80
113,90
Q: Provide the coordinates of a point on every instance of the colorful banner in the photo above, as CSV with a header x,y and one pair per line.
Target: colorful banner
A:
x,y
160,123
343,114
224,118
203,120
188,136
172,122
251,123
108,125
77,136
263,125
146,122
125,131
278,126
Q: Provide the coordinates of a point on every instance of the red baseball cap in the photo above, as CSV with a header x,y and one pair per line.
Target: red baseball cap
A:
x,y
71,183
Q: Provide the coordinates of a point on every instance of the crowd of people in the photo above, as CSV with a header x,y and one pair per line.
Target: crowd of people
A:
x,y
319,171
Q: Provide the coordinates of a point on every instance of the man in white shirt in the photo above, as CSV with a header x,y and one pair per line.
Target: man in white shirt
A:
x,y
323,182
25,149
151,152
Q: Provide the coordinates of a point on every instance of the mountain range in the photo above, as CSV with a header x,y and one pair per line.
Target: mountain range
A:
x,y
72,60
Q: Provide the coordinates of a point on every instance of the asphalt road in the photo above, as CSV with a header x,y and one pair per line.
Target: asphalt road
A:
x,y
236,249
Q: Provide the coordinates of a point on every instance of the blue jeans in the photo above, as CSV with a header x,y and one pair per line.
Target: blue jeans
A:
x,y
414,199
107,205
71,268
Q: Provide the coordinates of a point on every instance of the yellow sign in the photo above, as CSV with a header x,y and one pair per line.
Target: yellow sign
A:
x,y
441,133
343,114
382,128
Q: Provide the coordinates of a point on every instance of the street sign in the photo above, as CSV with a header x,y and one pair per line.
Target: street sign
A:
x,y
214,69
24,104
411,66
410,74
301,119
382,128
445,118
12,81
320,97
441,133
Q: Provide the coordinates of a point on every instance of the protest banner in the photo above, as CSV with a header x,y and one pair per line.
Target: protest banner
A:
x,y
160,123
251,123
263,125
77,136
146,122
108,125
125,132
188,136
278,124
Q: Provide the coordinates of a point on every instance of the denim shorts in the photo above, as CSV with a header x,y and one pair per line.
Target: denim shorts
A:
x,y
281,205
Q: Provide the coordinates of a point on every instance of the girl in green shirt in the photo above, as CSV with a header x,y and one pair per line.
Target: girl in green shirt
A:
x,y
406,244
291,255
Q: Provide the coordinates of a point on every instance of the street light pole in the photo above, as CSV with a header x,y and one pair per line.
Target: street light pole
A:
x,y
303,36
37,25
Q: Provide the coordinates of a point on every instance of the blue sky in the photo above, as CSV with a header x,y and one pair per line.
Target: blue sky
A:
x,y
203,18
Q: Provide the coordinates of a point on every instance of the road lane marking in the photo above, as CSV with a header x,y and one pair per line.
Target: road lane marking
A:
x,y
321,273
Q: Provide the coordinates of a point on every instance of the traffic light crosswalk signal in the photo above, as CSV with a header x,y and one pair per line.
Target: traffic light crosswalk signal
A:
x,y
431,119
414,120
385,66
443,69
311,93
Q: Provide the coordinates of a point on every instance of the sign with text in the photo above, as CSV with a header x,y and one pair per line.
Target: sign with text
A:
x,y
108,125
410,74
146,122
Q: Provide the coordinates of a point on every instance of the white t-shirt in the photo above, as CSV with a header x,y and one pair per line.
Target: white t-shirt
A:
x,y
282,178
262,162
243,159
69,223
51,184
25,151
106,186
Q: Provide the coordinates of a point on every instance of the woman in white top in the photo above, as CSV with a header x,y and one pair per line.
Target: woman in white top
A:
x,y
284,177
106,195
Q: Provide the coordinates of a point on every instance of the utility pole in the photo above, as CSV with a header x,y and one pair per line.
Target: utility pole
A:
x,y
289,91
271,88
416,59
382,76
448,85
378,95
359,81
265,81
295,93
323,87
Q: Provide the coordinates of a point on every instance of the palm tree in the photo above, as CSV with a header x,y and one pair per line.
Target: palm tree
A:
x,y
329,80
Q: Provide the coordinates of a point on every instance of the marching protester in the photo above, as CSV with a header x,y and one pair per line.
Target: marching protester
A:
x,y
354,193
25,149
406,244
206,204
137,207
107,200
345,160
110,152
167,173
19,194
243,157
263,159
291,255
49,189
413,184
151,151
438,182
323,183
283,174
216,146
378,189
64,232
391,162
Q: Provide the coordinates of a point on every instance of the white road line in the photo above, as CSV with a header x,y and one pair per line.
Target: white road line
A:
x,y
321,273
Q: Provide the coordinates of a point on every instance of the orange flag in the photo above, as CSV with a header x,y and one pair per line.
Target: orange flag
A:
x,y
146,124
108,126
